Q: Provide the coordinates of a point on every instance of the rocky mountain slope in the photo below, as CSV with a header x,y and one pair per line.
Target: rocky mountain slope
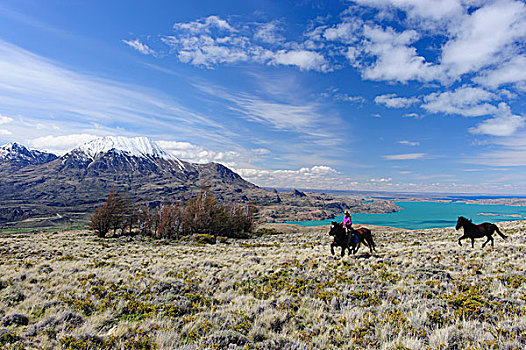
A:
x,y
14,154
40,184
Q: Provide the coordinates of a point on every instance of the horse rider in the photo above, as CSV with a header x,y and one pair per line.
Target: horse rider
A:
x,y
347,221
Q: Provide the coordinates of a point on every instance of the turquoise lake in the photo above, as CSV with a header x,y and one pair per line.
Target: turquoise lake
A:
x,y
422,215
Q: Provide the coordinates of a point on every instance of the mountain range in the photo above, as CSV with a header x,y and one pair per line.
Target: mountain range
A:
x,y
53,188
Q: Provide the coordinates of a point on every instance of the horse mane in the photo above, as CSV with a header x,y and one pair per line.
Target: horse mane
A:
x,y
465,220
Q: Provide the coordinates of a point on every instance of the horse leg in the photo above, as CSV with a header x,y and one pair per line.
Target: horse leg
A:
x,y
343,251
463,237
489,239
472,242
332,248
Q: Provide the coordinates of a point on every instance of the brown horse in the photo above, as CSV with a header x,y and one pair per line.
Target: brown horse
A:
x,y
348,240
477,231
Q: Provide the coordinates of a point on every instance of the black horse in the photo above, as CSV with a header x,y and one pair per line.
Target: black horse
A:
x,y
477,231
348,240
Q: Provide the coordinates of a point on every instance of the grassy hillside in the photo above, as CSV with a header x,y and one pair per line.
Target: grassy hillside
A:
x,y
421,290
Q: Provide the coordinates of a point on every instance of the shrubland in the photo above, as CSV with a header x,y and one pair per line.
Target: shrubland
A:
x,y
203,214
280,289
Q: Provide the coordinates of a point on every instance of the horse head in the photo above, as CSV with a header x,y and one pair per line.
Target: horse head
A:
x,y
335,228
461,222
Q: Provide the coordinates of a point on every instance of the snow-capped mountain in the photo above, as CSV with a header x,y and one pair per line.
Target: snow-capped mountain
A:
x,y
132,146
81,179
16,154
119,153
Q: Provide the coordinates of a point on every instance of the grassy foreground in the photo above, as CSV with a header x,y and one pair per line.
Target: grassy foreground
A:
x,y
420,291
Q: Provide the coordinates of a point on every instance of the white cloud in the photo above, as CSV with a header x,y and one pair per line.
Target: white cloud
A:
x,y
510,72
319,176
303,59
413,115
196,44
205,25
504,123
436,10
269,33
4,119
409,143
344,32
406,156
198,154
207,51
395,59
485,37
382,179
139,46
5,132
60,144
467,101
393,101
260,151
335,94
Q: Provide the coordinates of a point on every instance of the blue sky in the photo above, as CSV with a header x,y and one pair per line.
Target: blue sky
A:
x,y
391,95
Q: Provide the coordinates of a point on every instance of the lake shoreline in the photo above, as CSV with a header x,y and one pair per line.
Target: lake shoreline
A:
x,y
416,215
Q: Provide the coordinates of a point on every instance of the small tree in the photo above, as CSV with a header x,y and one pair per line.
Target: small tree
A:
x,y
168,221
106,216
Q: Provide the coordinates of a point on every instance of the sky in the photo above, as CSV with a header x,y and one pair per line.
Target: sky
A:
x,y
369,95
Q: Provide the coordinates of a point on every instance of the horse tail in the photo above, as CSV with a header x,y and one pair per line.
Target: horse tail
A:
x,y
500,233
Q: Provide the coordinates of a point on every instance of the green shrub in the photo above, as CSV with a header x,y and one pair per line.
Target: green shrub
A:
x,y
204,238
265,231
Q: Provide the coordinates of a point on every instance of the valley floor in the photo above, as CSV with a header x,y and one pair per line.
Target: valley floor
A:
x,y
71,290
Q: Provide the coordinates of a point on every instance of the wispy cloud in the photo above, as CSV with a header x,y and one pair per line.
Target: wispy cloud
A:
x,y
47,98
5,119
139,46
394,101
405,156
413,115
409,143
292,115
269,33
337,95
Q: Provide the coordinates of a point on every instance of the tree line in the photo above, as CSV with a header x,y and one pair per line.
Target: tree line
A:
x,y
201,214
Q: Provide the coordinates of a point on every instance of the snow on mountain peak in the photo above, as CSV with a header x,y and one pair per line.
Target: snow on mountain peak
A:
x,y
20,153
141,147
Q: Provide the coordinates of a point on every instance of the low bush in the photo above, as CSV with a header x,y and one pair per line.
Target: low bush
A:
x,y
203,214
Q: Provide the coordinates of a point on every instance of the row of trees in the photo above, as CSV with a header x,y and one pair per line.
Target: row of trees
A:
x,y
201,214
